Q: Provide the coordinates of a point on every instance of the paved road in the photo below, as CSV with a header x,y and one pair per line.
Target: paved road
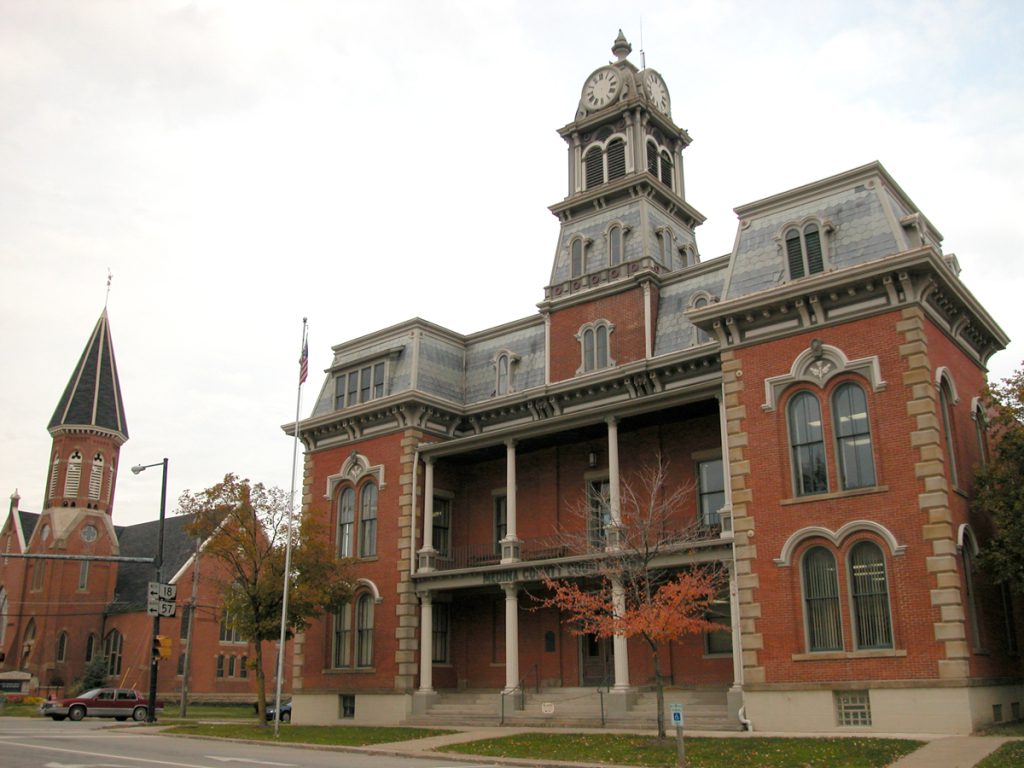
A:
x,y
32,743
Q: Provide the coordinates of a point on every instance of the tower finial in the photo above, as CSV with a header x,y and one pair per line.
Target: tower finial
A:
x,y
621,48
110,276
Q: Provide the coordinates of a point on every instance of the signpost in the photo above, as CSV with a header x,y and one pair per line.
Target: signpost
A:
x,y
160,599
676,711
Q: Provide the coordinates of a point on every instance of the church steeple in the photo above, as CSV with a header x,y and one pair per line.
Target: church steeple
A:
x,y
88,428
626,209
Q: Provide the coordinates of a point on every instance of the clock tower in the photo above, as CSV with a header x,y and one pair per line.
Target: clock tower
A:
x,y
625,210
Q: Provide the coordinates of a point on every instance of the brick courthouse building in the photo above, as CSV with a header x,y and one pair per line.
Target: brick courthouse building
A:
x,y
818,387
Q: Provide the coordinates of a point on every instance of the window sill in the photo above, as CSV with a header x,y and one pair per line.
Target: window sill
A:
x,y
717,655
882,653
837,495
368,558
350,670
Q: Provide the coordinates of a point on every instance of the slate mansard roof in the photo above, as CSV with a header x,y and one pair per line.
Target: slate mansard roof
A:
x,y
92,397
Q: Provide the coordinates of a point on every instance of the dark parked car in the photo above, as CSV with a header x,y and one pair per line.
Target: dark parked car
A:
x,y
118,703
286,712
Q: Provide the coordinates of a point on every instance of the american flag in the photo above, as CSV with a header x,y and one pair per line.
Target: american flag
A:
x,y
304,362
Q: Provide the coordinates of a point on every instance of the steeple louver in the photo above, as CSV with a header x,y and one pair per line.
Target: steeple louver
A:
x,y
92,397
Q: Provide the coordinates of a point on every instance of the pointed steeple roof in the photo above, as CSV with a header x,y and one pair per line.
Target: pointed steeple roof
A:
x,y
92,397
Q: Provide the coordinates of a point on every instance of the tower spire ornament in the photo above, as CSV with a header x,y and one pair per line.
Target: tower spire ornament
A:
x,y
110,276
621,47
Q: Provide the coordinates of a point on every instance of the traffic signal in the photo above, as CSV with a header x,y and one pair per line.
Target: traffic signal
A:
x,y
161,647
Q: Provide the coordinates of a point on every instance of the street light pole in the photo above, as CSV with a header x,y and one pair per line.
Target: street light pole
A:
x,y
158,562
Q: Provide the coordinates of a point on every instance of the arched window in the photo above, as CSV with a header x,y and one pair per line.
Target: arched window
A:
x,y
614,245
803,251
946,406
342,651
967,553
346,521
659,163
702,336
821,601
53,475
28,639
502,387
869,589
981,432
594,163
576,256
665,246
652,158
853,437
62,646
74,474
666,169
616,159
368,520
3,617
595,347
807,445
90,647
96,477
364,631
112,648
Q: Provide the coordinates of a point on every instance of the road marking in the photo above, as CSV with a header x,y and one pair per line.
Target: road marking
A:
x,y
81,753
247,760
84,765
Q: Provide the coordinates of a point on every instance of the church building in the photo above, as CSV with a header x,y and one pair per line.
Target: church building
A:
x,y
82,592
815,392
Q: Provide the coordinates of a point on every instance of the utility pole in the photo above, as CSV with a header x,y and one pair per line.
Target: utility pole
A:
x,y
188,639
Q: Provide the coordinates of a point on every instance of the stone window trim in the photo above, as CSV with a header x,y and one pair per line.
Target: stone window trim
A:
x,y
360,538
817,365
825,228
837,538
353,470
598,364
505,362
967,547
947,399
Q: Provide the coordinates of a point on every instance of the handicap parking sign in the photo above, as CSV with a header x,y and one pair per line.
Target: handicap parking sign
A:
x,y
676,711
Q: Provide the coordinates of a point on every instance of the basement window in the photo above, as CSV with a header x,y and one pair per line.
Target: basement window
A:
x,y
347,706
853,708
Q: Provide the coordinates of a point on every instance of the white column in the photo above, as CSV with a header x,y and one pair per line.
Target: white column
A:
x,y
427,553
613,469
620,653
511,637
426,643
510,544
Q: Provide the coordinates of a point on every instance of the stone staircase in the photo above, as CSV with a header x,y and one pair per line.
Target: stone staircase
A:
x,y
705,710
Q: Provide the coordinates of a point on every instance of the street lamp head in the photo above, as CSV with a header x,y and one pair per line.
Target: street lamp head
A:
x,y
137,469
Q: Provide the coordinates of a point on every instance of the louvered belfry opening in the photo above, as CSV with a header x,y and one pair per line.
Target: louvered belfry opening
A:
x,y
616,159
594,167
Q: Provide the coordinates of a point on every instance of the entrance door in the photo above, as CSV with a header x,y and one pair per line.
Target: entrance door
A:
x,y
595,660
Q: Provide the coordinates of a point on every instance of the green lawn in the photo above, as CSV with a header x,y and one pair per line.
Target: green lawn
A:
x,y
349,736
1004,729
1010,755
700,752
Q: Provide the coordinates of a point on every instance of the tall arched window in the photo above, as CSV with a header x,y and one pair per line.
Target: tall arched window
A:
x,y
346,521
614,245
364,631
702,336
90,647
368,520
595,347
967,553
981,432
666,169
807,445
652,158
74,475
946,406
821,601
576,256
342,651
96,477
502,387
870,591
616,159
3,616
28,640
53,475
112,649
62,646
853,437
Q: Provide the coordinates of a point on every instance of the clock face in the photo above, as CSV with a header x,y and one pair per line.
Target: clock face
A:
x,y
601,88
656,91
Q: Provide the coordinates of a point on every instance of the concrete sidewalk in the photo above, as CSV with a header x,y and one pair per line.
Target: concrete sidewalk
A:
x,y
952,752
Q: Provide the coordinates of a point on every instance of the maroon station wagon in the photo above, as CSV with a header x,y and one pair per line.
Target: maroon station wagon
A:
x,y
119,703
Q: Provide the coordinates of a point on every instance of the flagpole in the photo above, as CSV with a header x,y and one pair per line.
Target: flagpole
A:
x,y
303,371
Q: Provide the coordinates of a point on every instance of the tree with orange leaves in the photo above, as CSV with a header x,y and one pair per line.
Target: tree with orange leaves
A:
x,y
635,592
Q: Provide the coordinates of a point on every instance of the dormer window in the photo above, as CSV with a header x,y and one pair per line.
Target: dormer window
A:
x,y
804,254
577,256
616,237
665,246
359,385
504,367
595,341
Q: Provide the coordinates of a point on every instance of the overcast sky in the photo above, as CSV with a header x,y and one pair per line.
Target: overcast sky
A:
x,y
240,165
